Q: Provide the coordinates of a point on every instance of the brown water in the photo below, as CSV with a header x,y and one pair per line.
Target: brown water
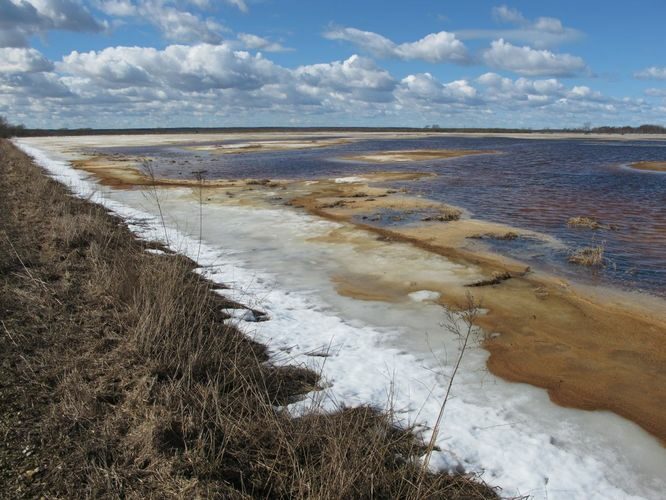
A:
x,y
531,184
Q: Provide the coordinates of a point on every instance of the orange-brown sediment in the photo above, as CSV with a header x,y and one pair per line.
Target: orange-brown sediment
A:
x,y
588,352
655,166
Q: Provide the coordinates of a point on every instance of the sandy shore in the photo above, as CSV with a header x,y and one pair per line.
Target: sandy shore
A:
x,y
542,330
653,166
553,334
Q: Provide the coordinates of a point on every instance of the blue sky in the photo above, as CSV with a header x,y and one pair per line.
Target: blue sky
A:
x,y
128,63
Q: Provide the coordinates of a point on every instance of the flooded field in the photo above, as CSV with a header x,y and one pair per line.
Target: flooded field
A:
x,y
537,185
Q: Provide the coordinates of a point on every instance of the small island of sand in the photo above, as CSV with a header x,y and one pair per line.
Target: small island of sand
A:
x,y
414,155
654,166
261,146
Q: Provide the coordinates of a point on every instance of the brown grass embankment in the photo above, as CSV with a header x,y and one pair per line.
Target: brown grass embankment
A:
x,y
120,377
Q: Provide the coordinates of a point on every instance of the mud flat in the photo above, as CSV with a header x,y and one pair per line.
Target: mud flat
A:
x,y
542,330
413,155
126,172
653,166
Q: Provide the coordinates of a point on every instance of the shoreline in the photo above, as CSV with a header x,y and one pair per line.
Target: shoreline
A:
x,y
534,314
544,339
256,195
137,372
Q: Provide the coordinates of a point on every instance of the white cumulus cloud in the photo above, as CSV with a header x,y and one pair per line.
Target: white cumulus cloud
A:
x,y
434,48
20,19
191,68
531,62
21,60
357,77
425,88
175,24
34,86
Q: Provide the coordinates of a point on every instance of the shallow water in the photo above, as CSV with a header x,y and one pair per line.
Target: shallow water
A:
x,y
531,184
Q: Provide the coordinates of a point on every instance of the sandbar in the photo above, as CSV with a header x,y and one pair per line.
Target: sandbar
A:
x,y
414,155
266,146
654,166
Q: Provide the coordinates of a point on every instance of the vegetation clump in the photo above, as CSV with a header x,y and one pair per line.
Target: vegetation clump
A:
x,y
495,280
584,222
258,182
446,214
588,256
508,236
9,130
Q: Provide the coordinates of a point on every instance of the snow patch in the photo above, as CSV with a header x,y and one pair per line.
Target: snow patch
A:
x,y
424,296
349,180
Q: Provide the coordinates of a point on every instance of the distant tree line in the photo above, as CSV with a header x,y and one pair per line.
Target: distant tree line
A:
x,y
9,130
643,129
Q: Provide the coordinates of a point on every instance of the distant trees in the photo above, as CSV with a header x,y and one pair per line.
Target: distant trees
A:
x,y
9,130
642,129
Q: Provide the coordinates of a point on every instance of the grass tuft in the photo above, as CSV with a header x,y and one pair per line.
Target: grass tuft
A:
x,y
584,222
588,256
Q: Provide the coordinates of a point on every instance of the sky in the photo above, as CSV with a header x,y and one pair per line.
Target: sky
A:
x,y
226,63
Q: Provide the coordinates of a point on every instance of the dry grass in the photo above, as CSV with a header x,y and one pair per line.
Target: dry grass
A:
x,y
588,256
508,236
495,280
446,214
584,222
121,377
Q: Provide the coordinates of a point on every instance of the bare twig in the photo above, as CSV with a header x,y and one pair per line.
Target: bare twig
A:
x,y
8,334
468,315
150,171
200,179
